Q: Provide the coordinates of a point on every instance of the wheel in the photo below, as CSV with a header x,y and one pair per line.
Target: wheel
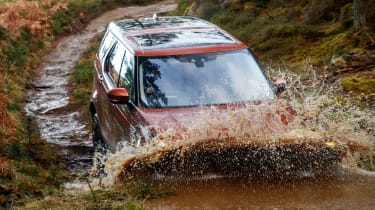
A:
x,y
100,149
96,132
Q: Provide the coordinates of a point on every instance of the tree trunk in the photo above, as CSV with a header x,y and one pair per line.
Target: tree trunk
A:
x,y
357,15
364,15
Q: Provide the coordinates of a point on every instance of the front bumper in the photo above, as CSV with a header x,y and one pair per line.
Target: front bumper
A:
x,y
236,159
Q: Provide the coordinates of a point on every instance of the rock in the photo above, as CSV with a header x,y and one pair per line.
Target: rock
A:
x,y
225,4
5,189
352,61
68,29
359,59
338,62
207,8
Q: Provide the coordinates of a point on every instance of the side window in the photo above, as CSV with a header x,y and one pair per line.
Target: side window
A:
x,y
127,73
106,43
115,61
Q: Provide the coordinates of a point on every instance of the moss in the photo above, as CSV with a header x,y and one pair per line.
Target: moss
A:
x,y
367,163
328,46
359,85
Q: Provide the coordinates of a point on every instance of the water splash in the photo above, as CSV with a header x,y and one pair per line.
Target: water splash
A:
x,y
325,108
328,128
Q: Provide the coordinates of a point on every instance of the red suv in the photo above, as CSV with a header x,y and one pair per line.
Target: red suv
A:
x,y
181,81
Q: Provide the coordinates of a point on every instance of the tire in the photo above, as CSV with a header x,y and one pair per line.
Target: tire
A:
x,y
96,132
100,148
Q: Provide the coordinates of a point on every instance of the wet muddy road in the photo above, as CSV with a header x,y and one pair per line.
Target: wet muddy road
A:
x,y
343,192
48,102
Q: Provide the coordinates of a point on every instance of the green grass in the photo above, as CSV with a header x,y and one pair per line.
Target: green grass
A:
x,y
26,176
83,78
127,195
17,50
61,19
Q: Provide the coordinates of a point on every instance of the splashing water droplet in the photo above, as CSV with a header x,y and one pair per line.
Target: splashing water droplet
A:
x,y
250,139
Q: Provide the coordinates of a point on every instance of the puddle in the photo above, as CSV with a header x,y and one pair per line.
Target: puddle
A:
x,y
220,193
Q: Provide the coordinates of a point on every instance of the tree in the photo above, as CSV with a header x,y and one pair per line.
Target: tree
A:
x,y
364,15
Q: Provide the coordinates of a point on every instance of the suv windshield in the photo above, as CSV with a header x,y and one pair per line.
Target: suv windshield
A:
x,y
202,79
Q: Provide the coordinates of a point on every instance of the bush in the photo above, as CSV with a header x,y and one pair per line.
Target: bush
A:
x,y
16,151
207,8
60,19
16,50
182,5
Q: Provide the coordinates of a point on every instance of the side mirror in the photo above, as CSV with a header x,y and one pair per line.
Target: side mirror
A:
x,y
118,96
280,84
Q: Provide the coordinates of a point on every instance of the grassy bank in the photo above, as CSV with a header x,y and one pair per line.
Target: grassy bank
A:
x,y
127,195
286,32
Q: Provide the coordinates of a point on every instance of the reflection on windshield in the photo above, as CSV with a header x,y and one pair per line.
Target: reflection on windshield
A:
x,y
202,79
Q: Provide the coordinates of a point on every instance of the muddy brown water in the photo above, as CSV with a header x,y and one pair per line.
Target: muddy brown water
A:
x,y
343,192
48,102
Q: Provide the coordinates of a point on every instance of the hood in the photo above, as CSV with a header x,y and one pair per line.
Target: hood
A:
x,y
220,121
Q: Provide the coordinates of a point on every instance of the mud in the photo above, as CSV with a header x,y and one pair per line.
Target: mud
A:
x,y
48,98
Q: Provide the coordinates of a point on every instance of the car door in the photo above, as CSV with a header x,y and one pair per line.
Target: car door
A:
x,y
125,113
99,98
114,118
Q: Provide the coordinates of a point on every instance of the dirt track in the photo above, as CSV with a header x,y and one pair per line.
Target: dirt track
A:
x,y
48,100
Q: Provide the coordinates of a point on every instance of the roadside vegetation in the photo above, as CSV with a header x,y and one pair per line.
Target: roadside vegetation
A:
x,y
29,167
129,194
282,31
335,37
